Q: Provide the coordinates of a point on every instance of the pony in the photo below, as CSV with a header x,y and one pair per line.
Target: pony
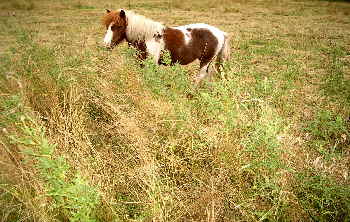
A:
x,y
184,43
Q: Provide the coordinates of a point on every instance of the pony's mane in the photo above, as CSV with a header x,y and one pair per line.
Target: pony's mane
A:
x,y
141,28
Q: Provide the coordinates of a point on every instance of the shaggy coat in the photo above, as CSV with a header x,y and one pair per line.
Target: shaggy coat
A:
x,y
184,43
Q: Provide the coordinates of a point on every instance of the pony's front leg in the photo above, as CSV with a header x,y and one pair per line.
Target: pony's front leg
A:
x,y
140,47
154,48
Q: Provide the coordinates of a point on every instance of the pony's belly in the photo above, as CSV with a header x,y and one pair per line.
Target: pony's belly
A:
x,y
183,56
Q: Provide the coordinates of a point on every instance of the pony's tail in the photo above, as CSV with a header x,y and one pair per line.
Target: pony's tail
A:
x,y
226,50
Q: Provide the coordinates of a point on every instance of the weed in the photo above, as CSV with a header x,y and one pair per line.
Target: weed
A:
x,y
10,109
73,198
329,133
335,83
322,197
265,161
171,81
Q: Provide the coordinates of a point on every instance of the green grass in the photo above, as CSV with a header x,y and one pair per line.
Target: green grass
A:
x,y
329,134
322,197
336,82
90,135
72,197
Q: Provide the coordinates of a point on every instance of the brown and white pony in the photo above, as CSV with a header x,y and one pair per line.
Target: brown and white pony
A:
x,y
185,43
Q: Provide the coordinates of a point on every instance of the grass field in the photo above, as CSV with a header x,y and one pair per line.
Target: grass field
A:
x,y
88,135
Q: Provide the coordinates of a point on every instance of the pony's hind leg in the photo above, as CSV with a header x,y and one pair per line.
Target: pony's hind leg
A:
x,y
204,71
219,66
222,57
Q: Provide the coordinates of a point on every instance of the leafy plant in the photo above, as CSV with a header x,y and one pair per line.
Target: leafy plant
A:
x,y
322,197
265,164
71,194
169,81
329,133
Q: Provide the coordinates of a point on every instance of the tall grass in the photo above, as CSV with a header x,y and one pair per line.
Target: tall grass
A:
x,y
72,197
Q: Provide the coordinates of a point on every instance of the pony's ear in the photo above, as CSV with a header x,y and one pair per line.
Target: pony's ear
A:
x,y
122,13
108,11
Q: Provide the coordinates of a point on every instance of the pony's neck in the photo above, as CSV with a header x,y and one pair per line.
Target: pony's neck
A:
x,y
140,28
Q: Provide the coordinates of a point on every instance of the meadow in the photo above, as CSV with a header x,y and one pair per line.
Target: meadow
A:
x,y
88,134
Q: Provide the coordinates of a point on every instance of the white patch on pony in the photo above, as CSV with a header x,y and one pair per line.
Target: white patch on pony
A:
x,y
220,35
108,37
187,34
154,47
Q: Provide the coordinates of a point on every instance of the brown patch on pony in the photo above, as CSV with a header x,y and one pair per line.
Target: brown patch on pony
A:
x,y
202,46
174,42
204,41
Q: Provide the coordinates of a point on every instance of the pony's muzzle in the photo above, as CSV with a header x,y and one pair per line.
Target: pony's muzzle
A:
x,y
109,47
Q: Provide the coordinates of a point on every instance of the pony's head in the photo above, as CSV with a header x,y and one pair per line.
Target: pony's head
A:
x,y
116,24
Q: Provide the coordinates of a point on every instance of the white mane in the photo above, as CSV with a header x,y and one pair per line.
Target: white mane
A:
x,y
141,28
